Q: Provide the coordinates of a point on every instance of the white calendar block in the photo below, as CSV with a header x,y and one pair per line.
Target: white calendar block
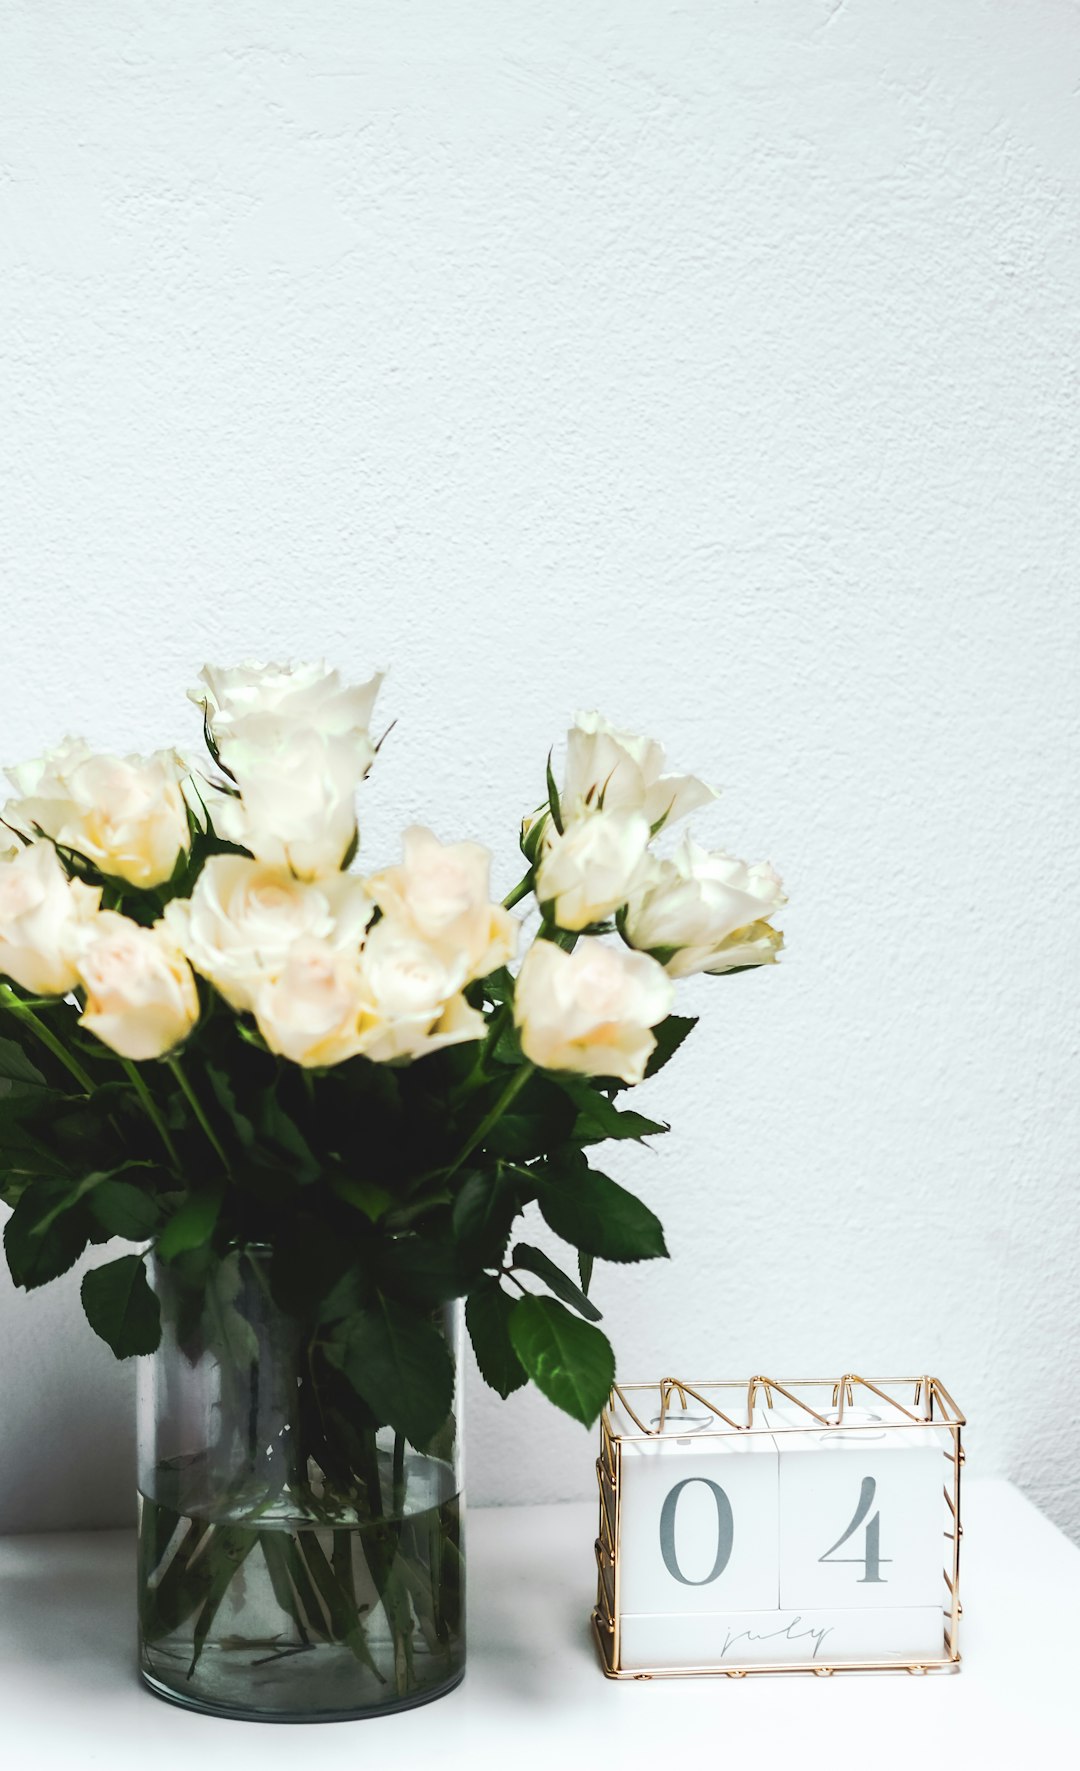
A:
x,y
758,1526
698,1520
862,1513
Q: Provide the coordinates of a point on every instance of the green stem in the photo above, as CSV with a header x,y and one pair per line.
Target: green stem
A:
x,y
513,1088
149,1107
508,1273
369,1472
260,1278
48,1038
495,1027
564,938
521,890
193,1102
399,1474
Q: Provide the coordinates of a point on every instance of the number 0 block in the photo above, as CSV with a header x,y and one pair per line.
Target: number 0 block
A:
x,y
681,1551
757,1527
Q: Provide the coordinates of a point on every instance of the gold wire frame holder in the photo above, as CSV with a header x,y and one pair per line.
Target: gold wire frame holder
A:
x,y
930,1404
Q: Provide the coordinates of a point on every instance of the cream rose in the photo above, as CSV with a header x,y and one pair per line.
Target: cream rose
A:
x,y
591,1010
297,804
141,997
705,912
244,916
591,870
42,914
441,896
125,814
412,997
296,741
310,1010
624,773
758,943
296,695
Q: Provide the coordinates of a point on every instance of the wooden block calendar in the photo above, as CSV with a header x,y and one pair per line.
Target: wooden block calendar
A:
x,y
761,1526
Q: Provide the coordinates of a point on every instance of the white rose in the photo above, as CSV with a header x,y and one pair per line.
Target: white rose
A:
x,y
41,915
441,895
296,741
309,1011
592,868
125,814
412,997
141,997
756,944
590,1010
243,917
293,695
297,804
706,912
625,772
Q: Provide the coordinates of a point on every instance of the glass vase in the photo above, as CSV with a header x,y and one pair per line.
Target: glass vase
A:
x,y
297,1562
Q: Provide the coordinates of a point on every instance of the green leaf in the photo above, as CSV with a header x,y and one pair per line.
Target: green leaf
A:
x,y
225,1096
569,1361
351,1294
233,1337
541,1117
44,1237
534,1260
507,1048
669,1035
278,1125
483,1215
121,1308
372,1200
15,1066
584,1267
498,986
421,1271
595,1214
123,1209
309,1261
24,1156
190,1227
553,798
228,1551
67,1195
487,1317
225,1327
599,1119
399,1364
119,1207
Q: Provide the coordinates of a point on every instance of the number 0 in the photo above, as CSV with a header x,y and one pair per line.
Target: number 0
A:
x,y
725,1532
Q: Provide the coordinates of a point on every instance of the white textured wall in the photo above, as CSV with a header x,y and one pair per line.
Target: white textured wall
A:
x,y
713,364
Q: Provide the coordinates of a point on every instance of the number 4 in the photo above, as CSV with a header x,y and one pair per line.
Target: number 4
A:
x,y
871,1558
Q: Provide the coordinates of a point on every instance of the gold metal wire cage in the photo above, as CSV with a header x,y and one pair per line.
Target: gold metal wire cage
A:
x,y
922,1402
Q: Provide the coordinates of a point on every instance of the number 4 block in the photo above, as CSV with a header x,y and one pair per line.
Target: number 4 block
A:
x,y
862,1514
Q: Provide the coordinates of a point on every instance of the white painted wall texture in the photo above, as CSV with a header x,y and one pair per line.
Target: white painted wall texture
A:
x,y
715,365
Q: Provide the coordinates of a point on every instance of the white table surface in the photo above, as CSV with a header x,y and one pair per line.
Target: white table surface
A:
x,y
534,1694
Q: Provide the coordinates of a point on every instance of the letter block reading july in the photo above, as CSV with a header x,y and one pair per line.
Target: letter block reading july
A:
x,y
792,1541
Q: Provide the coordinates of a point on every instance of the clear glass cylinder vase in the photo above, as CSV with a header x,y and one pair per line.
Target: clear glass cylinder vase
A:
x,y
297,1561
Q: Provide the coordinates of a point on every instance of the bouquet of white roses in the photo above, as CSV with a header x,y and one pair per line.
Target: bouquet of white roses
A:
x,y
217,1036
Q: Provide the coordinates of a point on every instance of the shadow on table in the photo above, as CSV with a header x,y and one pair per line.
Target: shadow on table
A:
x,y
78,1611
522,1647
